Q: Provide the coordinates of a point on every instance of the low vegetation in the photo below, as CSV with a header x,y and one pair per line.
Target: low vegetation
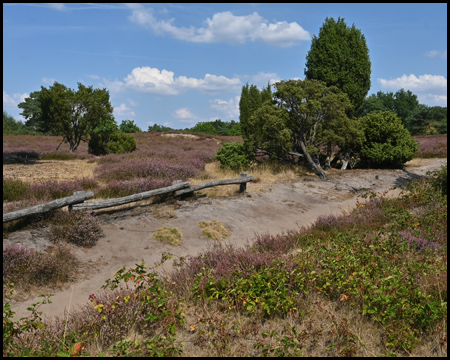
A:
x,y
370,283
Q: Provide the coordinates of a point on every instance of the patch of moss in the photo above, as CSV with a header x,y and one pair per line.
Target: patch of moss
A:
x,y
170,236
214,230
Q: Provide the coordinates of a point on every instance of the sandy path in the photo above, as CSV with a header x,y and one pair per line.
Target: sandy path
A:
x,y
278,207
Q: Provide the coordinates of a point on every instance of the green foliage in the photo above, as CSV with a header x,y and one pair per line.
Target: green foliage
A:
x,y
251,100
106,139
75,114
307,115
339,57
158,128
14,190
233,156
120,143
13,127
427,120
387,142
128,126
439,177
36,119
265,291
204,127
403,103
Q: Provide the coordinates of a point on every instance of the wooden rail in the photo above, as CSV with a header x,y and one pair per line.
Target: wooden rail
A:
x,y
131,198
243,180
76,201
76,198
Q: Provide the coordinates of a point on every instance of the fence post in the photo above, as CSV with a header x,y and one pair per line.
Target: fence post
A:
x,y
243,186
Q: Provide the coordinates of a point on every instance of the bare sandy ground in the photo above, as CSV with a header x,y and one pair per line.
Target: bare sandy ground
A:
x,y
276,208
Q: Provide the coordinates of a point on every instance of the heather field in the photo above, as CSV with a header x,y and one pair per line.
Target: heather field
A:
x,y
372,282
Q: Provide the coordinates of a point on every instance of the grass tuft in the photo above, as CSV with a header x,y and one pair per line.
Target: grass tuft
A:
x,y
169,236
214,230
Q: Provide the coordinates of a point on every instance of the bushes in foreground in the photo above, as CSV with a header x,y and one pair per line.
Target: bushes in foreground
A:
x,y
385,264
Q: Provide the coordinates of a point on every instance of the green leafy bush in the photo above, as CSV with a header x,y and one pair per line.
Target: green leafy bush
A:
x,y
121,143
233,156
388,143
439,181
111,143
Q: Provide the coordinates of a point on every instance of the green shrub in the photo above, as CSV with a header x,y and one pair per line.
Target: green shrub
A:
x,y
121,143
111,143
14,190
439,181
233,156
388,143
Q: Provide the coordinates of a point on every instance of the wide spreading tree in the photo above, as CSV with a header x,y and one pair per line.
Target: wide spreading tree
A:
x,y
308,118
339,57
75,114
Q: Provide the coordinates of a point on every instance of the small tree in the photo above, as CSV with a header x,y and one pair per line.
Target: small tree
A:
x,y
307,117
387,142
128,126
75,114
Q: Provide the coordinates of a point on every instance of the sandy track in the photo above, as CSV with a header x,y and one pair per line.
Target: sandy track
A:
x,y
278,207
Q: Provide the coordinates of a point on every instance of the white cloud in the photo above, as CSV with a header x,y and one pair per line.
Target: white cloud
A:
x,y
57,6
430,89
412,82
123,110
435,53
163,82
48,80
184,114
95,77
13,100
229,108
261,79
225,27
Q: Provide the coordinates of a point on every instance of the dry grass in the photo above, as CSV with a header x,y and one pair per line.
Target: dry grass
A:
x,y
170,236
264,174
164,212
214,230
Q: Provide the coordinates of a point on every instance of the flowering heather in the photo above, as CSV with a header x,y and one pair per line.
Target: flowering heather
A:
x,y
417,243
28,267
77,227
53,189
120,188
431,146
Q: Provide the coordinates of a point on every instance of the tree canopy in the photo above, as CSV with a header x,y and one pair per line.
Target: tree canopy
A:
x,y
75,114
128,126
339,57
307,115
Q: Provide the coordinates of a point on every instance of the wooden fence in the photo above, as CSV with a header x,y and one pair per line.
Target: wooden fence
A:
x,y
76,201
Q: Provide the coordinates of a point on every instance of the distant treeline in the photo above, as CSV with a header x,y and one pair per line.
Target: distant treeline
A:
x,y
12,126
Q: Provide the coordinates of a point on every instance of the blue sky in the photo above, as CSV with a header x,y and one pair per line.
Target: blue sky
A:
x,y
179,64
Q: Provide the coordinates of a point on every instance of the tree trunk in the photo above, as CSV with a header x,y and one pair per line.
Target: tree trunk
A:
x,y
316,167
327,165
345,159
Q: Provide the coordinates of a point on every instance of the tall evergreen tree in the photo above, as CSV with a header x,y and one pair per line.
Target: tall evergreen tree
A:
x,y
244,109
339,57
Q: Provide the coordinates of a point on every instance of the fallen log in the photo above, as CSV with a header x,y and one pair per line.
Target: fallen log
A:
x,y
93,205
76,198
242,180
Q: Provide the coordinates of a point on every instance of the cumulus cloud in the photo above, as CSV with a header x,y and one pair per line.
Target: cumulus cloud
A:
x,y
50,81
428,88
225,27
93,76
164,82
436,53
13,100
229,108
123,110
183,114
57,6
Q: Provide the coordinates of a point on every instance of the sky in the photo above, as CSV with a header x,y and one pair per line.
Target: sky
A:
x,y
180,64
